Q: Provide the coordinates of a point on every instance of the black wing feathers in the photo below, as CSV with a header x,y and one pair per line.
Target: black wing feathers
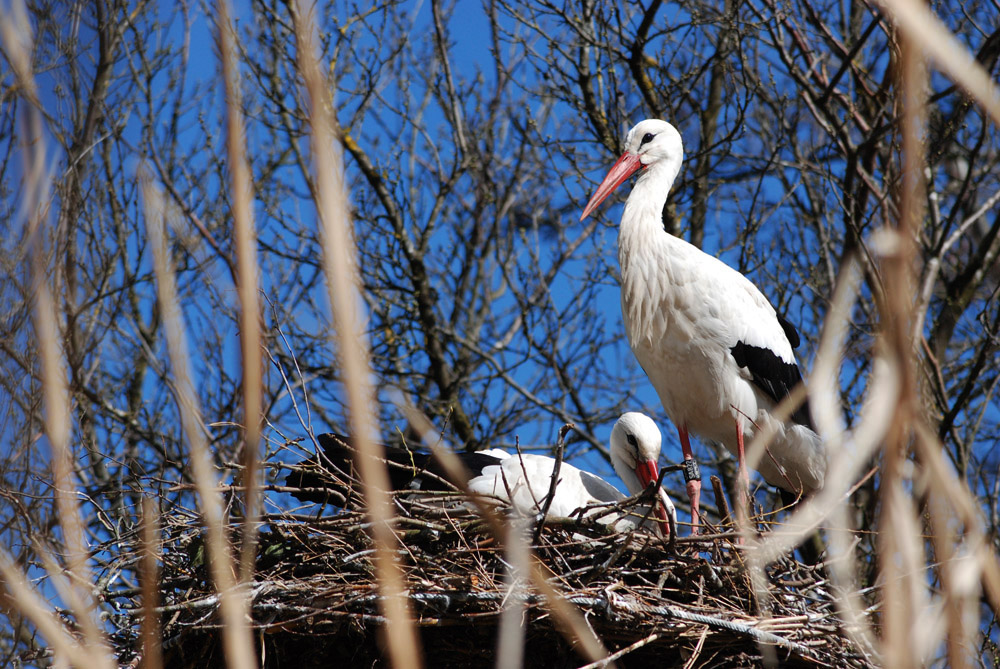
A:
x,y
771,374
790,331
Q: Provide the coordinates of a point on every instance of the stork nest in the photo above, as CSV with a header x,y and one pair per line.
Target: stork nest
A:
x,y
315,601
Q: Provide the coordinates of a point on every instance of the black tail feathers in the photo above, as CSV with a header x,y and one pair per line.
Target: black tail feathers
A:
x,y
333,477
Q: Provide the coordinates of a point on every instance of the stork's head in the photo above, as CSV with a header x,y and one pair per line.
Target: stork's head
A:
x,y
654,140
652,144
635,448
635,440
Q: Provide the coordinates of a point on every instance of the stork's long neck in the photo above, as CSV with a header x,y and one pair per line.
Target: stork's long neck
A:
x,y
642,221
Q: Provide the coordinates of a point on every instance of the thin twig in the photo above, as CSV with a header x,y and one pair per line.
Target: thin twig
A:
x,y
554,479
617,655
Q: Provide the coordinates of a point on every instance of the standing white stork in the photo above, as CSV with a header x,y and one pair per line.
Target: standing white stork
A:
x,y
524,481
715,350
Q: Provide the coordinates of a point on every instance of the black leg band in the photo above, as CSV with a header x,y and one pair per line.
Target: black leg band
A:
x,y
692,472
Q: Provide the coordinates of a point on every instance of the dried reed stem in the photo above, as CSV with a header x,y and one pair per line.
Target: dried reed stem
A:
x,y
234,609
510,638
17,36
844,467
847,453
343,284
149,580
926,34
65,648
916,20
241,187
901,555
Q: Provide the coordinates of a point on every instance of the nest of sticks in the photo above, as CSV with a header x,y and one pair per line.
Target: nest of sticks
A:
x,y
315,600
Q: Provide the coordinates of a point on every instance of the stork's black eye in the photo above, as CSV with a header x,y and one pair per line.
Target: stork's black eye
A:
x,y
630,438
648,137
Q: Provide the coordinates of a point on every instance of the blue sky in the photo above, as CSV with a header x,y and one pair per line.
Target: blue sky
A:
x,y
471,55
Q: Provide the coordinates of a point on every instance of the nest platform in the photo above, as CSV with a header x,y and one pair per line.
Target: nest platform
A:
x,y
315,601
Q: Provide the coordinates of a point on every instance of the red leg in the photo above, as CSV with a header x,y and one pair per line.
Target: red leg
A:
x,y
743,478
694,485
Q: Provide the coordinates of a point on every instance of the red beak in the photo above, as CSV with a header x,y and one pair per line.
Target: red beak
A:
x,y
648,472
626,166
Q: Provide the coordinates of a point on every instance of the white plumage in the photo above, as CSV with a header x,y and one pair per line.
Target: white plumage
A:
x,y
524,481
713,347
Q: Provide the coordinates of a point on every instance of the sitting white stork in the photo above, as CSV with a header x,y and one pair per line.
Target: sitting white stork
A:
x,y
522,481
715,350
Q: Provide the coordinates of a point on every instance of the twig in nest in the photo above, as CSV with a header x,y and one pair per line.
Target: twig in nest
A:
x,y
720,499
554,481
623,652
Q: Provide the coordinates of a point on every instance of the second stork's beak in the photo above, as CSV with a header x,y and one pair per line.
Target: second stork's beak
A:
x,y
648,474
